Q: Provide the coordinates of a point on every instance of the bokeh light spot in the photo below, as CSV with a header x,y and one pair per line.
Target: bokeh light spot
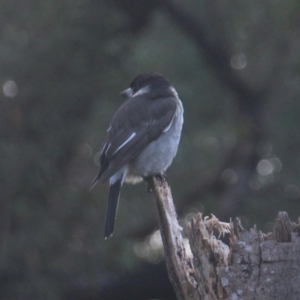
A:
x,y
255,183
10,88
238,61
151,249
155,241
85,151
212,144
292,191
230,176
276,163
264,167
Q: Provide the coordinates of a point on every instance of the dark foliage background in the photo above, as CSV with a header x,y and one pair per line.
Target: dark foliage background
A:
x,y
235,65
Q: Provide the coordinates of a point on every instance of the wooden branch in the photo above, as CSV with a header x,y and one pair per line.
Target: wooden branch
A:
x,y
179,265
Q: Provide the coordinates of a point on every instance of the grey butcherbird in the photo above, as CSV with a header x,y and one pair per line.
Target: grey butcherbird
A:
x,y
142,138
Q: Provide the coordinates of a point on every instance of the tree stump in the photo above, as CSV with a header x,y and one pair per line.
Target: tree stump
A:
x,y
255,266
264,266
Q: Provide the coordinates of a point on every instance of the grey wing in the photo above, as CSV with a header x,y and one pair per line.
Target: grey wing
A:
x,y
126,141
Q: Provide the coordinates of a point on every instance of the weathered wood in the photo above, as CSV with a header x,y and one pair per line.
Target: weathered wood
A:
x,y
264,267
209,254
180,266
257,266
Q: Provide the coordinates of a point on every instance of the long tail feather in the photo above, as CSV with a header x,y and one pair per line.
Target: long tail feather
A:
x,y
112,206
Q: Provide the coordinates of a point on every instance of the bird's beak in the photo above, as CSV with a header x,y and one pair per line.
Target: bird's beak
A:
x,y
127,93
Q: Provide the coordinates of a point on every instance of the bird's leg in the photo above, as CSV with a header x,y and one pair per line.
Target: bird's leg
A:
x,y
149,183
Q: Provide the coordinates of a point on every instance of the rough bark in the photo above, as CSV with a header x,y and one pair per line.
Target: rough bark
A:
x,y
256,266
264,266
179,265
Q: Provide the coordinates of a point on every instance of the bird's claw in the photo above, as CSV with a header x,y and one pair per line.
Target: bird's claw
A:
x,y
149,184
162,176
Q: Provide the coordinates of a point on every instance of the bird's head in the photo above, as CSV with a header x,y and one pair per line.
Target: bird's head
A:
x,y
153,84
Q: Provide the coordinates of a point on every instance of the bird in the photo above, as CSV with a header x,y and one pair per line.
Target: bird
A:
x,y
142,138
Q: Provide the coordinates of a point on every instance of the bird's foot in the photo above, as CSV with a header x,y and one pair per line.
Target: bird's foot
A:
x,y
162,179
149,183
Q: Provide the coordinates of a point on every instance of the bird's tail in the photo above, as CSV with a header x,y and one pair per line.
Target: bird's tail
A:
x,y
112,206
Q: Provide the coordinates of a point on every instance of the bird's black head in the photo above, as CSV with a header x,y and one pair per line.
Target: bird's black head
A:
x,y
152,84
151,80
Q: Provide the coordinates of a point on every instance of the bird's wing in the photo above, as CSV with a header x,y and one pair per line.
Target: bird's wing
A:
x,y
135,125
